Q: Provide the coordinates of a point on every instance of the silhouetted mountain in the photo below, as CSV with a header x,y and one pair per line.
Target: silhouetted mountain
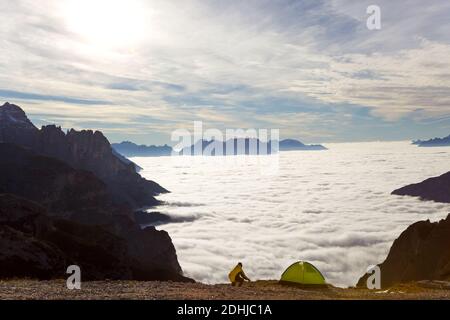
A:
x,y
422,252
15,126
292,145
436,142
242,146
130,149
78,204
86,150
70,201
436,189
247,146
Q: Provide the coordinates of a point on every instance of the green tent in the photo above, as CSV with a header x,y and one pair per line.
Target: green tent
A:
x,y
303,273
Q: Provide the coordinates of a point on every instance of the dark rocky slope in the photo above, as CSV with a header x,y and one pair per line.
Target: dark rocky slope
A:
x,y
38,246
86,150
83,198
72,194
422,252
33,244
436,189
73,201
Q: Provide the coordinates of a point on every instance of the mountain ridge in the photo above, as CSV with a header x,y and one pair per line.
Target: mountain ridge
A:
x,y
130,149
435,142
64,179
87,150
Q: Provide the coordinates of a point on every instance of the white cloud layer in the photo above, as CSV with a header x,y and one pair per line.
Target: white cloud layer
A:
x,y
227,63
332,208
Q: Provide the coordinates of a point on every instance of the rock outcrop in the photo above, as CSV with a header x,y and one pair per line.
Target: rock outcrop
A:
x,y
422,252
14,125
85,150
435,189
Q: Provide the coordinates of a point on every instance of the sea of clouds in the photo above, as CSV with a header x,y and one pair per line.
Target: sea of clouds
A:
x,y
332,208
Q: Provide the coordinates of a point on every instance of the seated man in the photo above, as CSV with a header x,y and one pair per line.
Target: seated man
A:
x,y
237,276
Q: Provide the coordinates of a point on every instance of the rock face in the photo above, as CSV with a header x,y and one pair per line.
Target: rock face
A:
x,y
86,150
73,194
66,199
422,252
36,245
14,125
65,202
436,189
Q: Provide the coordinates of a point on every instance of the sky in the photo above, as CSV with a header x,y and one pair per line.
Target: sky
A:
x,y
139,69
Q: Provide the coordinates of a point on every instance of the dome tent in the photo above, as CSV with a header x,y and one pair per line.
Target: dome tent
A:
x,y
303,273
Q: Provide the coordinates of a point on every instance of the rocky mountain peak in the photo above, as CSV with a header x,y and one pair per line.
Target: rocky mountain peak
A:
x,y
85,150
13,115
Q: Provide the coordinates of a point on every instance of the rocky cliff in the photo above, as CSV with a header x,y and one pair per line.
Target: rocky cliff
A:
x,y
87,150
68,218
65,198
70,193
436,189
422,252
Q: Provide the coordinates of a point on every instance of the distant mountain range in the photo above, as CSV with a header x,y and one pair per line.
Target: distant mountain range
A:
x,y
436,142
293,145
130,149
213,147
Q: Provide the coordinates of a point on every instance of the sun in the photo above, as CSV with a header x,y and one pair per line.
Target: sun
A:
x,y
108,23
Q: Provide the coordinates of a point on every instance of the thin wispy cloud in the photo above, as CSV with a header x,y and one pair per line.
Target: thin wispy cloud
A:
x,y
229,62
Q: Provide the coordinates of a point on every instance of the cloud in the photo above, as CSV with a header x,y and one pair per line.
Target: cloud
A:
x,y
8,94
240,60
331,208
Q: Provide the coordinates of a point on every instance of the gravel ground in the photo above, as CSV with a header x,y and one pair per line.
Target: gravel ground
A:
x,y
261,290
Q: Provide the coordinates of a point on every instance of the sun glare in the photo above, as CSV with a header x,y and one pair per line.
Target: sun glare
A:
x,y
108,23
